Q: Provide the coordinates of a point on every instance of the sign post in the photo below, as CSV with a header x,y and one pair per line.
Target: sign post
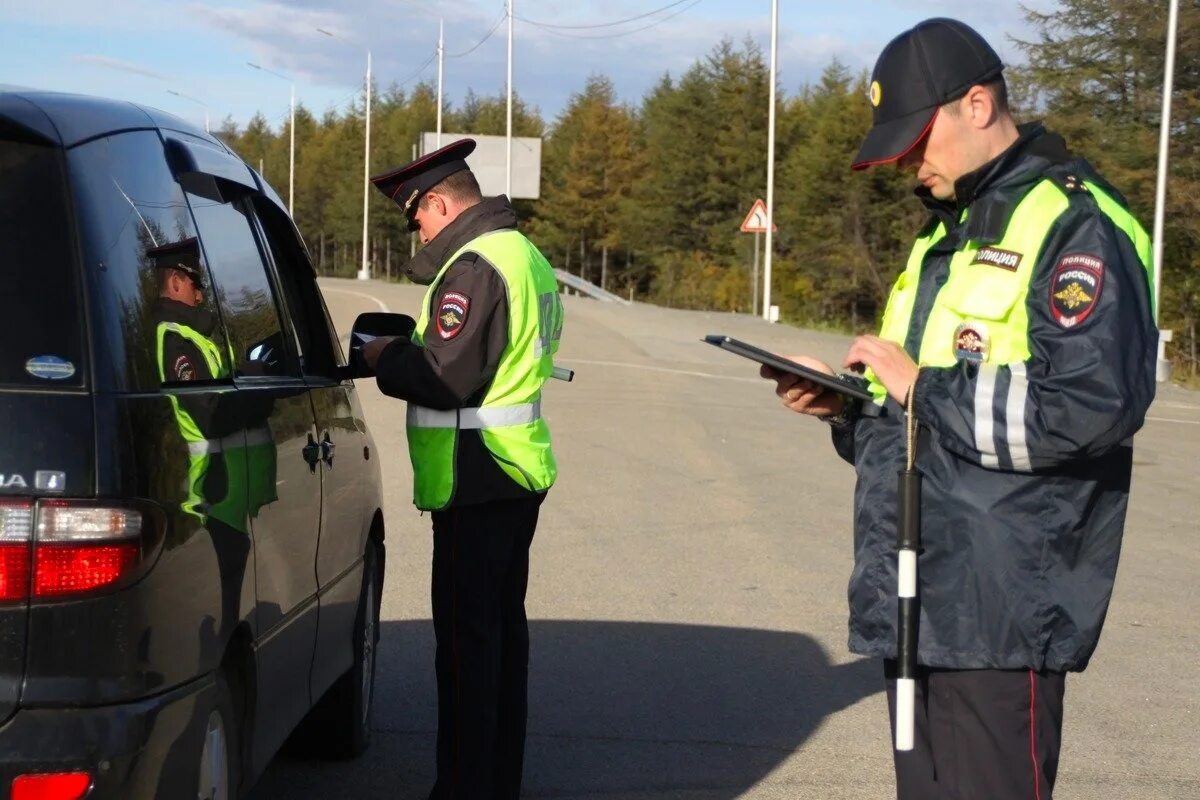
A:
x,y
756,223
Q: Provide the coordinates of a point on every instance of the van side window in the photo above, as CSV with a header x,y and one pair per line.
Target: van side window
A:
x,y
139,258
318,342
258,345
41,329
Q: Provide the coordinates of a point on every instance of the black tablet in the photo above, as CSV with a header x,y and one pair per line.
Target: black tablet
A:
x,y
838,384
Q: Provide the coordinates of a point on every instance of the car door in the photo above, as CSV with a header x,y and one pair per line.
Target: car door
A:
x,y
341,434
282,455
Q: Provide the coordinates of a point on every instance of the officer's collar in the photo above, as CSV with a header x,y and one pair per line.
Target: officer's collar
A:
x,y
198,318
493,214
992,191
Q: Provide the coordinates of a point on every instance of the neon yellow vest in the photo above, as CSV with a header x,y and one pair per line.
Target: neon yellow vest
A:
x,y
198,457
509,418
985,306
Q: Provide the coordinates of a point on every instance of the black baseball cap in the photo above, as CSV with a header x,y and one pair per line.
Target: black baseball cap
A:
x,y
925,67
405,185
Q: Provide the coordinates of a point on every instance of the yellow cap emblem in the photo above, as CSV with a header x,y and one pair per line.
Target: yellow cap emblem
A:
x,y
876,93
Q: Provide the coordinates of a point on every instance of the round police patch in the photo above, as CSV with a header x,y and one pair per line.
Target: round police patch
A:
x,y
452,314
971,342
184,371
1075,288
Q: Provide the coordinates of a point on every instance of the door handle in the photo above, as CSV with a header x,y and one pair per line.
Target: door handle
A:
x,y
327,450
312,453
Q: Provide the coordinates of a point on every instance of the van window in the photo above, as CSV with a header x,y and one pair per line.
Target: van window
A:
x,y
130,208
244,293
317,341
41,329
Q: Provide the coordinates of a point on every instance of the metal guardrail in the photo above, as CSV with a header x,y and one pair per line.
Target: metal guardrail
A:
x,y
587,287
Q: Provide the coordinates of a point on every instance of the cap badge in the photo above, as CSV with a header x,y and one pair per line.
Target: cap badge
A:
x,y
876,93
971,342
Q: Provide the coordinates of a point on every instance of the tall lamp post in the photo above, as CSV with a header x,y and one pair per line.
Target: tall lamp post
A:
x,y
364,270
292,126
197,102
508,113
766,309
1163,367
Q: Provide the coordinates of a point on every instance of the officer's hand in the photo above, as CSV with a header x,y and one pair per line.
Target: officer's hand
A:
x,y
374,348
804,396
891,364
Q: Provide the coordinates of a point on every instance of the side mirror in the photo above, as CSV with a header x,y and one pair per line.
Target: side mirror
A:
x,y
370,326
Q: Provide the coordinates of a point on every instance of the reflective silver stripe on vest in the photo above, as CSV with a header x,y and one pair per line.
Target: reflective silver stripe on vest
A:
x,y
1018,393
985,389
251,438
474,418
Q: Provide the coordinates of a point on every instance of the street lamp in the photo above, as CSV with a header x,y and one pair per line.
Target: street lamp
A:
x,y
364,271
292,125
197,102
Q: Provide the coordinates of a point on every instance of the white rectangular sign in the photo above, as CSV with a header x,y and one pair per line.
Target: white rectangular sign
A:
x,y
488,162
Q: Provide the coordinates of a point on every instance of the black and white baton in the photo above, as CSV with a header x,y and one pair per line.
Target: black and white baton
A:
x,y
908,604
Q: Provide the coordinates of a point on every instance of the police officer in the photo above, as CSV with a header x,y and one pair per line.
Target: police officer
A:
x,y
480,449
185,351
1022,326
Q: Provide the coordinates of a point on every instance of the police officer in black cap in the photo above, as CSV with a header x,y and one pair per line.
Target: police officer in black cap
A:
x,y
184,326
1020,340
480,449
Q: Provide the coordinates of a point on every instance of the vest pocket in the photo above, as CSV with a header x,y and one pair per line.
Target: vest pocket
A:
x,y
989,296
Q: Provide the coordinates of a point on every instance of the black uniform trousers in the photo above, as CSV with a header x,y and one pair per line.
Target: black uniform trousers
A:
x,y
480,572
981,734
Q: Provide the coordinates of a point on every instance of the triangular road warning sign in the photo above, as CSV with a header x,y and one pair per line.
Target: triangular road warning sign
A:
x,y
756,220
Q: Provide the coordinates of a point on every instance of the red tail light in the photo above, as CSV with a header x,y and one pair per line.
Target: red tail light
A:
x,y
51,549
57,786
66,569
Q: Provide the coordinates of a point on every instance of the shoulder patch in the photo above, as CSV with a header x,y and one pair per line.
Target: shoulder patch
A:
x,y
1075,288
996,257
183,369
452,314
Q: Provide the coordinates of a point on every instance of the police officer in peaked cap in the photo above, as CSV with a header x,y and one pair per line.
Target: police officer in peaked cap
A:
x,y
1022,332
482,460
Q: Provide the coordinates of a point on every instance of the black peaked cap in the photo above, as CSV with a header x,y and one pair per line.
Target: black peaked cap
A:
x,y
405,185
183,255
923,68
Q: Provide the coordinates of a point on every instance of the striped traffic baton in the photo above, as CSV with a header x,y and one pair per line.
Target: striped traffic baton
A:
x,y
908,604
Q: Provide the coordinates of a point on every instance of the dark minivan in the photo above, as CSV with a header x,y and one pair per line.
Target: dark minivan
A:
x,y
191,534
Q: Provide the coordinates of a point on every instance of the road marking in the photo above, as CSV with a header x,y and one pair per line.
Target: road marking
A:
x,y
1169,404
382,305
1179,421
652,368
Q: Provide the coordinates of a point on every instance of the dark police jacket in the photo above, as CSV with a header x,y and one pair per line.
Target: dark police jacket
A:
x,y
1017,567
456,370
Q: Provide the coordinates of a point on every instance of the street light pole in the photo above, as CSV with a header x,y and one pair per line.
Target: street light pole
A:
x,y
364,270
508,129
441,53
292,126
197,102
1163,367
766,309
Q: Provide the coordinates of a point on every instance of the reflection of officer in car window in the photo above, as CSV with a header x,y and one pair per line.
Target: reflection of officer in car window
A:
x,y
183,324
185,351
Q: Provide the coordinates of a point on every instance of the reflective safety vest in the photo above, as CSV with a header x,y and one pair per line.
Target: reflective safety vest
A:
x,y
198,445
509,418
981,314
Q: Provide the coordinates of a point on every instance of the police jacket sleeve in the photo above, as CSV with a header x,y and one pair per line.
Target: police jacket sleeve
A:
x,y
1089,380
465,337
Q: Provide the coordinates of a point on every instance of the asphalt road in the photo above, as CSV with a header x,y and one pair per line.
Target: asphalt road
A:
x,y
687,596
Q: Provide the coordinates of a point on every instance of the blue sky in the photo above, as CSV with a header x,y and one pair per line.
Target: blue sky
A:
x,y
138,49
